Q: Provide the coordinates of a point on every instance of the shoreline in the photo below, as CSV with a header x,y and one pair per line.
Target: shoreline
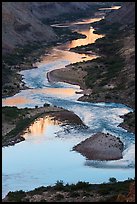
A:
x,y
11,136
60,75
73,74
79,192
113,87
16,83
86,93
29,63
69,75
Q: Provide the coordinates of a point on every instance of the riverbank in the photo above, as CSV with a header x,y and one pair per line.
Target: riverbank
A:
x,y
110,77
81,192
129,122
68,75
25,57
15,121
77,194
21,59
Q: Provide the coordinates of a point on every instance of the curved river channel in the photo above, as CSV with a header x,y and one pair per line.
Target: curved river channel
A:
x,y
45,155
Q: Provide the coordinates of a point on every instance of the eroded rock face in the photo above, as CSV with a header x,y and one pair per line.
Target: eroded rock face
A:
x,y
101,147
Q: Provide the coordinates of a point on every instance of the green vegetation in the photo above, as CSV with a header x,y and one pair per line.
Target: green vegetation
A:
x,y
59,185
12,113
114,188
16,197
20,126
46,105
18,117
110,190
20,54
21,58
129,122
110,63
112,180
71,187
39,190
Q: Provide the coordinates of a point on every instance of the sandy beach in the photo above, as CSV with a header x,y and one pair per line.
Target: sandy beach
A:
x,y
68,75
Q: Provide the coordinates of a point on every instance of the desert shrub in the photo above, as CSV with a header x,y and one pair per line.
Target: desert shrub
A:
x,y
112,180
80,186
59,185
38,190
16,196
46,105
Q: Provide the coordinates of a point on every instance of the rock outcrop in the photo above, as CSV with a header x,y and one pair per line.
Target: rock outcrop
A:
x,y
101,147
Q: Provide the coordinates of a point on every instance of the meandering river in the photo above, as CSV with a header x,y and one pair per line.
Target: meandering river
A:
x,y
45,156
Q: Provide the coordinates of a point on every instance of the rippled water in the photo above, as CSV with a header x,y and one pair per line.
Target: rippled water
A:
x,y
45,156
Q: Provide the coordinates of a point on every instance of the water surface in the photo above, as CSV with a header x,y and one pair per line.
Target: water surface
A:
x,y
46,154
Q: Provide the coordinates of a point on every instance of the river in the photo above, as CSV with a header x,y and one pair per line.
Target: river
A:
x,y
45,155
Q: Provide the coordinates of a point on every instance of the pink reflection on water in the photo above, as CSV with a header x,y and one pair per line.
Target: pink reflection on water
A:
x,y
56,91
17,100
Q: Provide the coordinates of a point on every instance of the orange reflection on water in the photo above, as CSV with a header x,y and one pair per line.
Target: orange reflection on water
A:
x,y
13,101
56,91
62,52
39,127
112,8
91,38
87,21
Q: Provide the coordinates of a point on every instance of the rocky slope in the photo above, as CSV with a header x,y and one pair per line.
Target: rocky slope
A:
x,y
125,15
20,26
24,22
